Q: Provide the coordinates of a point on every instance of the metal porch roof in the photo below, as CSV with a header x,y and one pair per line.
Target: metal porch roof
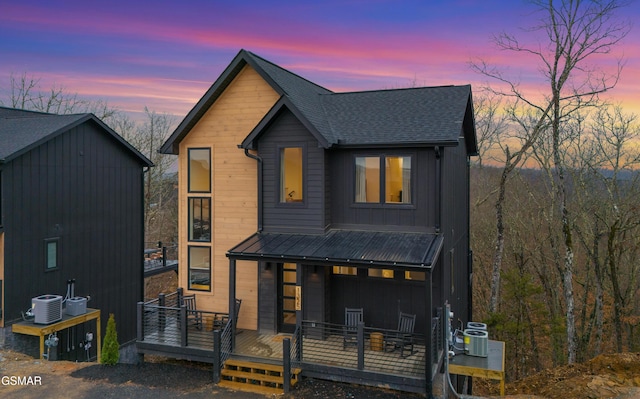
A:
x,y
343,247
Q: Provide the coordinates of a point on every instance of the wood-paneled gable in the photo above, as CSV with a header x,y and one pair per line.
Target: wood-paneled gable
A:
x,y
234,189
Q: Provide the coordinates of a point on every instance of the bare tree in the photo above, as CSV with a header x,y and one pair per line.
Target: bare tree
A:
x,y
25,93
573,32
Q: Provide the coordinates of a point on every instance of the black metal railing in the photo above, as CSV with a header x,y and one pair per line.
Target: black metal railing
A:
x,y
326,344
167,321
437,342
160,258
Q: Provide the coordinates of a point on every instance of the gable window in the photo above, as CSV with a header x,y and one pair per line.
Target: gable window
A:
x,y
51,254
199,219
291,175
200,268
199,170
392,187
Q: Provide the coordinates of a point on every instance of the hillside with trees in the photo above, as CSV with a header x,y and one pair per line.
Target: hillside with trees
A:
x,y
555,221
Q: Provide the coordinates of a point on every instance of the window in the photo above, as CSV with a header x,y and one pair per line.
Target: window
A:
x,y
368,179
381,273
199,268
199,219
396,181
291,172
199,170
345,270
51,254
415,276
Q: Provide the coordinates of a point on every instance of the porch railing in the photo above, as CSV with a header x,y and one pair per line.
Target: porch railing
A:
x,y
437,342
164,321
223,347
324,344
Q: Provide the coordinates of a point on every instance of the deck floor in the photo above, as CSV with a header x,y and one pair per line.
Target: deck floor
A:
x,y
329,351
326,351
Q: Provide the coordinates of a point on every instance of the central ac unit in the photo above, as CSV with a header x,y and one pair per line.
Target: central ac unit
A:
x,y
47,309
476,343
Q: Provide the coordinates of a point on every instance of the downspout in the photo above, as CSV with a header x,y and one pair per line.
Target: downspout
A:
x,y
145,170
438,184
257,158
470,253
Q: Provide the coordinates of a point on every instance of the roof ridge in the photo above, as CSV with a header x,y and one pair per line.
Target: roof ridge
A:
x,y
288,72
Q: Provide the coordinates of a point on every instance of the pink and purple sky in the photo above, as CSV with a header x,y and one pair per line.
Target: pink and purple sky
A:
x,y
165,54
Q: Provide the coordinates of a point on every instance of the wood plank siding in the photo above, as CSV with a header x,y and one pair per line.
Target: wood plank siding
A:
x,y
84,189
234,190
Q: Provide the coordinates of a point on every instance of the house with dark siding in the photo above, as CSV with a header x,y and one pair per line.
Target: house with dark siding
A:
x,y
71,207
303,202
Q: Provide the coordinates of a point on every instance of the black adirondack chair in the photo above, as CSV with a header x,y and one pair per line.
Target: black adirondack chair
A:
x,y
352,317
403,338
194,317
219,322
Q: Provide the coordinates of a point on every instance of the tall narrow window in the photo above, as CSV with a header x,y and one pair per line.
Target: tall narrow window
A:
x,y
199,219
199,170
368,179
51,254
291,174
398,180
200,268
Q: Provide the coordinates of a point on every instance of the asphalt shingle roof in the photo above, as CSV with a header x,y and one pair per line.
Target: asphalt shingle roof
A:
x,y
427,115
22,130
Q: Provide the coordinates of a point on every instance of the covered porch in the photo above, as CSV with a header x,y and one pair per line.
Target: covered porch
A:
x,y
316,311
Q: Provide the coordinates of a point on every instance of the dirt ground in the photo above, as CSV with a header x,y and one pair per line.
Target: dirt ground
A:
x,y
157,378
607,376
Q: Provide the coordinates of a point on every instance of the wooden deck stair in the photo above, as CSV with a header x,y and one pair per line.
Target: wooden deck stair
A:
x,y
255,377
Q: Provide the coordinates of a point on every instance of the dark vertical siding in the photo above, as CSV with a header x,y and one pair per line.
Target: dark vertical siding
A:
x,y
381,299
308,217
86,189
345,213
455,228
315,300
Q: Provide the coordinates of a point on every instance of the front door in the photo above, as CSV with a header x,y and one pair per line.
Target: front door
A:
x,y
287,297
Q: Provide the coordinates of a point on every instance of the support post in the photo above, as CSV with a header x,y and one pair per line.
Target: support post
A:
x,y
428,338
286,364
360,346
162,316
183,325
217,356
232,301
140,322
